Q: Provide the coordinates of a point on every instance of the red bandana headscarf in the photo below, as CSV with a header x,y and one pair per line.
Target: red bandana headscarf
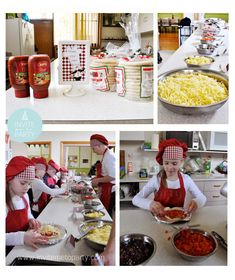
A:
x,y
171,149
99,138
21,168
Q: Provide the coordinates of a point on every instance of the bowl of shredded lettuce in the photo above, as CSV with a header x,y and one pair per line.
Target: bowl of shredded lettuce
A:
x,y
193,91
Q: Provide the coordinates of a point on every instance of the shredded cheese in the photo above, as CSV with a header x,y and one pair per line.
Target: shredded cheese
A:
x,y
198,60
94,214
194,89
100,235
49,231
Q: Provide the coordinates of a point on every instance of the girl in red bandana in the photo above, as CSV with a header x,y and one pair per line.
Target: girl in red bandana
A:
x,y
40,190
170,186
21,227
63,179
50,176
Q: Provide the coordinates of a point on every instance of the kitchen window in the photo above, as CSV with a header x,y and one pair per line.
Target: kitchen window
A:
x,y
78,156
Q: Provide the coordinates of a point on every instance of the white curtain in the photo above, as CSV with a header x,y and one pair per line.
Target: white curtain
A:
x,y
64,25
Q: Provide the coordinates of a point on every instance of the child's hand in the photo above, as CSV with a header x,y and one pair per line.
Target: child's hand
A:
x,y
157,208
95,182
108,258
192,206
34,224
31,238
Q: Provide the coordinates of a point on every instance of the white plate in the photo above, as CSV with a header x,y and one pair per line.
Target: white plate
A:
x,y
61,235
167,220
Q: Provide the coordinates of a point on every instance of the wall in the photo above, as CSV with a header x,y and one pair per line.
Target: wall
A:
x,y
222,16
146,38
169,15
140,158
113,32
19,149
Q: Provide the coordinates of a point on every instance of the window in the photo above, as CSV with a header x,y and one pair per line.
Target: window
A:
x,y
39,149
64,25
80,26
78,156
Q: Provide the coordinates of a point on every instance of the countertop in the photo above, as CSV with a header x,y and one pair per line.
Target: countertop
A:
x,y
134,177
58,211
209,217
94,107
176,61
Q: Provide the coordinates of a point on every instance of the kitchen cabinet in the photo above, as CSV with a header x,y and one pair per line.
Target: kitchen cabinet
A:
x,y
39,149
212,192
211,189
146,22
130,185
209,185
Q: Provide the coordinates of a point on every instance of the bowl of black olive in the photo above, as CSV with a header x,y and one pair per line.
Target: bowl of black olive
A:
x,y
136,249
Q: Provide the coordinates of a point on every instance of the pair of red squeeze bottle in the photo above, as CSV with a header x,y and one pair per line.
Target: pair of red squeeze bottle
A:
x,y
29,71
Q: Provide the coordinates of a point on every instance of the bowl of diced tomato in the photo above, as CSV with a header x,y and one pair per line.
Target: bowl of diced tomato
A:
x,y
194,244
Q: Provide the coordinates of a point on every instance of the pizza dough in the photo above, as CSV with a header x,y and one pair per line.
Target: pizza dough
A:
x,y
103,74
135,79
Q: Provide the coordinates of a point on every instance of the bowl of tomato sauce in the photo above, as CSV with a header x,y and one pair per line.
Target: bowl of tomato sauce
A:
x,y
194,244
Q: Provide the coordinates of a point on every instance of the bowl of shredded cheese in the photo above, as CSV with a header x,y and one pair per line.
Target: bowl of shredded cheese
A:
x,y
199,61
99,236
90,214
193,91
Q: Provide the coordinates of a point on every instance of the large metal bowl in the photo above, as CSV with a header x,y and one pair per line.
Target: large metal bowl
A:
x,y
191,257
206,65
91,211
81,190
133,244
95,245
205,49
194,110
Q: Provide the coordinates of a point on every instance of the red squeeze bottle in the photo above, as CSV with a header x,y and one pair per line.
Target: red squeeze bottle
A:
x,y
18,75
39,75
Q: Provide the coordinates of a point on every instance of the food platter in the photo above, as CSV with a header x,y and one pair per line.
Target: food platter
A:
x,y
54,233
174,215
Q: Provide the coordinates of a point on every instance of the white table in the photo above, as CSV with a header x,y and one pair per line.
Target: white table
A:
x,y
58,211
177,61
141,221
94,107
